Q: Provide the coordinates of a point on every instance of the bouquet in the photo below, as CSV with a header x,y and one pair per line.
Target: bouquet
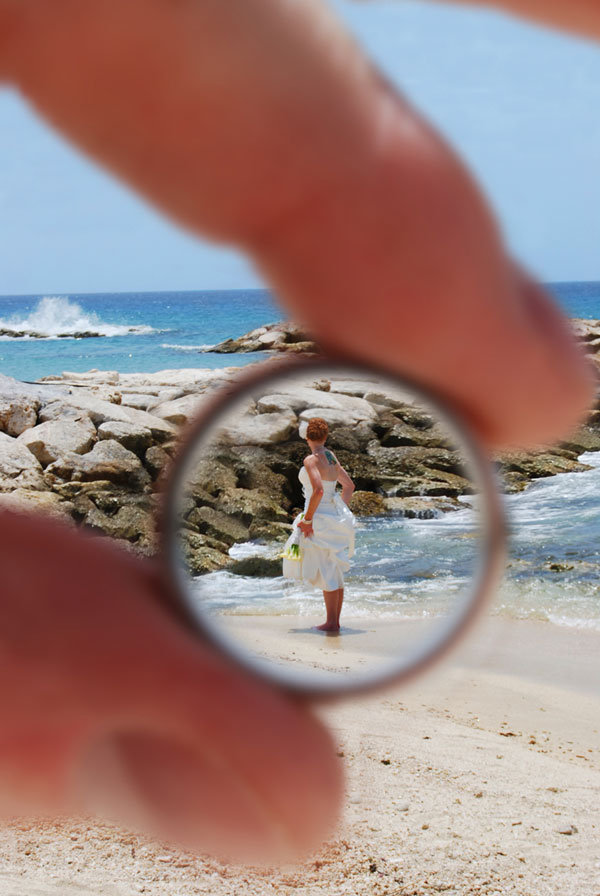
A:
x,y
292,554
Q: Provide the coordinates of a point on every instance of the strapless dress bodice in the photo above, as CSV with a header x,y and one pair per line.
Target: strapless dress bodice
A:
x,y
307,489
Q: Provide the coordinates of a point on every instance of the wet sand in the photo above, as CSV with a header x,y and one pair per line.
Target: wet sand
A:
x,y
362,646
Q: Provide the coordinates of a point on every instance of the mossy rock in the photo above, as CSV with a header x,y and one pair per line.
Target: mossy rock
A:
x,y
368,504
260,567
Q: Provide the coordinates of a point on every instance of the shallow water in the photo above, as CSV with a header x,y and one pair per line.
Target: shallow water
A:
x,y
418,568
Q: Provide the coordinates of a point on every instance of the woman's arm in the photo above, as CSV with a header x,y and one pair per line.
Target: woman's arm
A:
x,y
346,483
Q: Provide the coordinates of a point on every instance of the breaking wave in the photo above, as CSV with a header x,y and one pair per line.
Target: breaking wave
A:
x,y
55,317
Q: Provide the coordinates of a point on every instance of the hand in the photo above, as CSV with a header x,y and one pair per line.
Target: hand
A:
x,y
306,528
205,108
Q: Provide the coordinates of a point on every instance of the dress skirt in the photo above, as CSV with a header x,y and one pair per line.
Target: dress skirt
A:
x,y
325,555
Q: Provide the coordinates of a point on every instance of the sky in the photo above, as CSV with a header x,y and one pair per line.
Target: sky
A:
x,y
520,103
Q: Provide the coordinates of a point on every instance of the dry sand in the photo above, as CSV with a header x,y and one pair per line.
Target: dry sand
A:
x,y
466,782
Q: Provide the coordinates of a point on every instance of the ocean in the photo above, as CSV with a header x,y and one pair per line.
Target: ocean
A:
x,y
137,332
150,331
554,523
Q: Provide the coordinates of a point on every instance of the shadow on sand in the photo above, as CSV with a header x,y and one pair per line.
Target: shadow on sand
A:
x,y
313,630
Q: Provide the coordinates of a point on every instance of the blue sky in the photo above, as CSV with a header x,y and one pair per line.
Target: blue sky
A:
x,y
522,105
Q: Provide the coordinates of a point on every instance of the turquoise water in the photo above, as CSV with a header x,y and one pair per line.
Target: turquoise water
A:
x,y
138,332
145,332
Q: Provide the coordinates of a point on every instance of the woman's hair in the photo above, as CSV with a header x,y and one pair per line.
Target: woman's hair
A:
x,y
317,429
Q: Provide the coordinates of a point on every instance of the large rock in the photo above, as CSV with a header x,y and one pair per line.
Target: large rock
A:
x,y
180,410
436,484
281,337
300,398
107,460
19,406
587,438
101,411
202,553
58,410
539,464
248,504
262,429
263,530
400,433
18,467
17,414
275,404
50,441
212,476
254,472
350,438
34,501
219,525
588,334
110,509
156,460
130,521
368,504
422,508
141,402
261,567
414,460
132,436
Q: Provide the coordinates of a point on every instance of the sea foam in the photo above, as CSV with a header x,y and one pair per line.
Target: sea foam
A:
x,y
185,348
55,317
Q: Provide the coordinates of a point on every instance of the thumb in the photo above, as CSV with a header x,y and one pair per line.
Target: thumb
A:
x,y
110,706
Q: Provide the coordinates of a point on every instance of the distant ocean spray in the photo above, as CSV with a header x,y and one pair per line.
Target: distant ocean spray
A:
x,y
145,332
128,332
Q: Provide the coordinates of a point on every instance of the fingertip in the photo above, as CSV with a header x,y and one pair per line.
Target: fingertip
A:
x,y
220,764
191,795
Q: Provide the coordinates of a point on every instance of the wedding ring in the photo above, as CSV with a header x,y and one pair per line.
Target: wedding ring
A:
x,y
428,555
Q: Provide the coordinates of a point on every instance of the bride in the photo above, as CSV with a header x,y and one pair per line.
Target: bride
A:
x,y
327,525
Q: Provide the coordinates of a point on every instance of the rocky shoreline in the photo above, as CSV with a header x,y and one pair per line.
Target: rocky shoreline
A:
x,y
93,447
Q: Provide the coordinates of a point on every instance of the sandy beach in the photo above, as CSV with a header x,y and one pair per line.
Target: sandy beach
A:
x,y
482,778
365,646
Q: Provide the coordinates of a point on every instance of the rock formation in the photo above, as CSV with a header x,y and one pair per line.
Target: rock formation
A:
x,y
280,337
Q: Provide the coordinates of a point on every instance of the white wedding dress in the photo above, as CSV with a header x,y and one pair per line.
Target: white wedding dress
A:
x,y
325,554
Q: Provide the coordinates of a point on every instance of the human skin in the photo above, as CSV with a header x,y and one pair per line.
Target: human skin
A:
x,y
375,237
314,474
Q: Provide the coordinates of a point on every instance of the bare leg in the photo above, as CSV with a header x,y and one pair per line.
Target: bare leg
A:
x,y
340,601
331,603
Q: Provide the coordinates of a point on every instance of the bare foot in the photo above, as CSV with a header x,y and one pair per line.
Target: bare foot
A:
x,y
328,627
